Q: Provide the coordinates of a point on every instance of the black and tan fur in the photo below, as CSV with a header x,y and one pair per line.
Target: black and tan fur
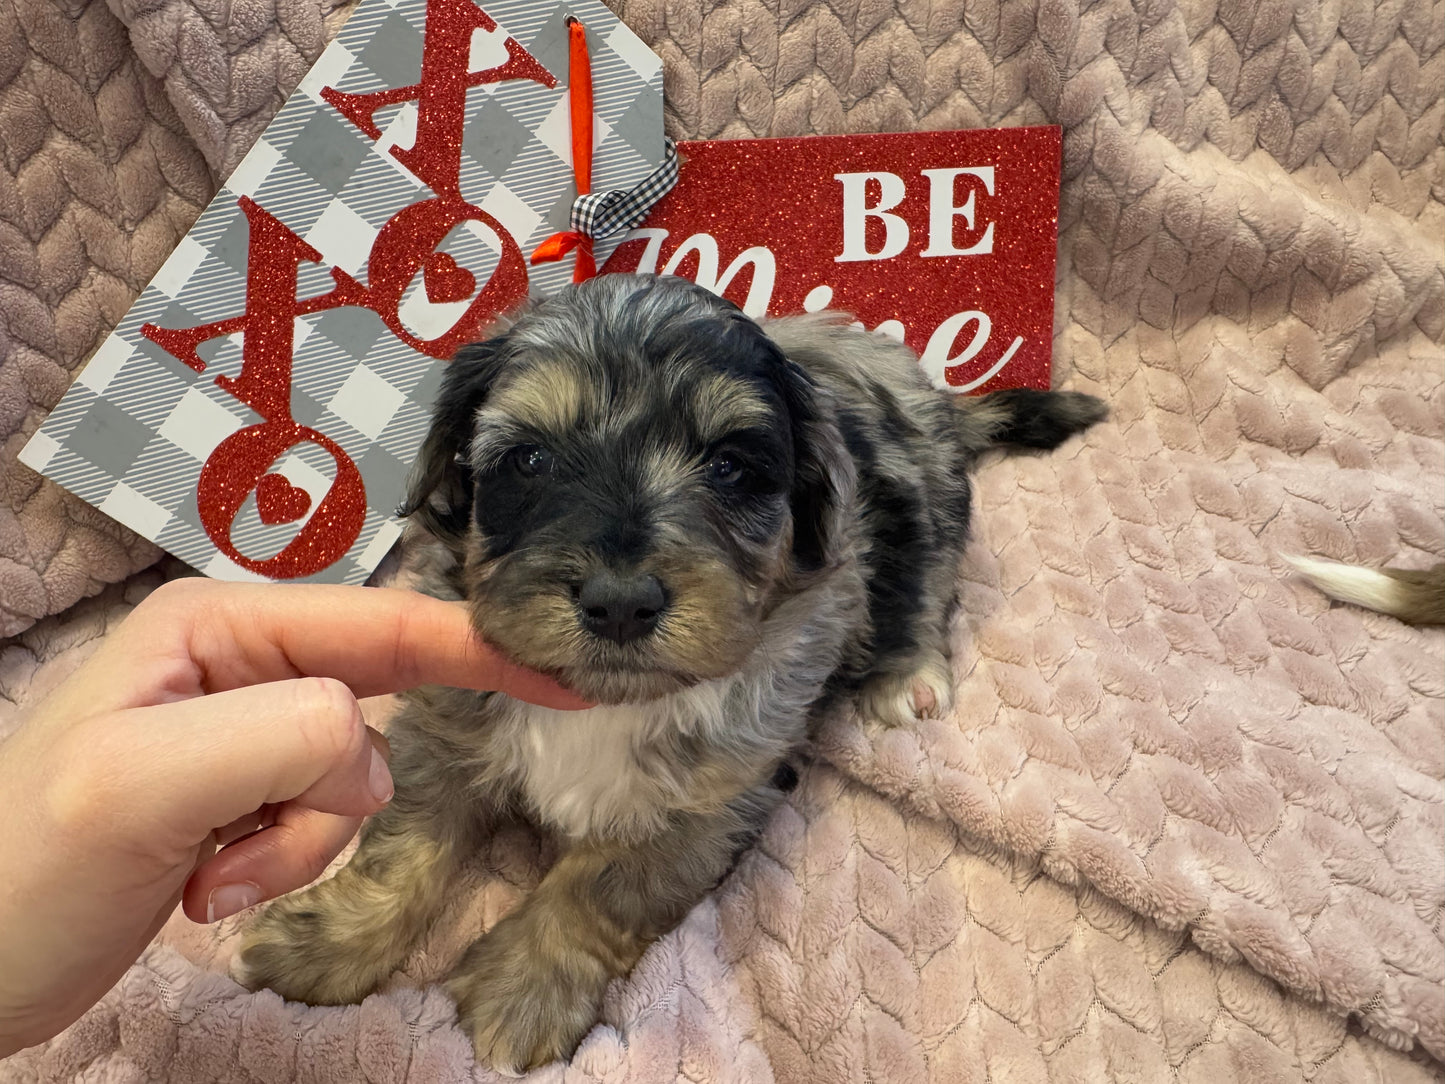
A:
x,y
785,513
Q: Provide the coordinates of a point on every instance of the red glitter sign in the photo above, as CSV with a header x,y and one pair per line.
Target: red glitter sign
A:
x,y
945,240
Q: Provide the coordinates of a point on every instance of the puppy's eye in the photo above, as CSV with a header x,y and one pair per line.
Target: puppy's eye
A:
x,y
532,460
725,469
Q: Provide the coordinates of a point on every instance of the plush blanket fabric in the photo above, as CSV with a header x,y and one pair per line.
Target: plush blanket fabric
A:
x,y
1185,822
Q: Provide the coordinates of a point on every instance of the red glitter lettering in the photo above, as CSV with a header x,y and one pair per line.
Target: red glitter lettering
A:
x,y
235,470
441,96
236,466
407,243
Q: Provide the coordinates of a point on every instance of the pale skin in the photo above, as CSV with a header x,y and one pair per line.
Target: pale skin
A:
x,y
212,754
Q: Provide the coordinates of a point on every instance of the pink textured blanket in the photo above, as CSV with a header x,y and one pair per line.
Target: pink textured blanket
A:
x,y
1186,820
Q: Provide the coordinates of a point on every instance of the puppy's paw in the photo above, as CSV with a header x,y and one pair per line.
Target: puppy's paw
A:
x,y
292,948
896,699
525,1005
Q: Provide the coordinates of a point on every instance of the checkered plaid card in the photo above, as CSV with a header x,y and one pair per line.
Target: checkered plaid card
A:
x,y
257,411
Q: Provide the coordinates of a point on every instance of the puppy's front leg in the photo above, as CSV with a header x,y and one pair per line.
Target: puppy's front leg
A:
x,y
335,942
529,990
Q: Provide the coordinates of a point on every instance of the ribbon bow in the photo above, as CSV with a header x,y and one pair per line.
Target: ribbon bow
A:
x,y
600,214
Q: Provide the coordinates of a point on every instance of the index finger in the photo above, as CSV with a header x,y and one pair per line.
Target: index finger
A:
x,y
210,637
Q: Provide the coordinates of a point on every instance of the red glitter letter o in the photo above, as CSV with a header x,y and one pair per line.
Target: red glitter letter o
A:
x,y
232,472
402,247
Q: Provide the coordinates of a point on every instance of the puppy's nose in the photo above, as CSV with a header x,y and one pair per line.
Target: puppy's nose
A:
x,y
621,607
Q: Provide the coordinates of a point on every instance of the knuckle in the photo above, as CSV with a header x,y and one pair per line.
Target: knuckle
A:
x,y
329,716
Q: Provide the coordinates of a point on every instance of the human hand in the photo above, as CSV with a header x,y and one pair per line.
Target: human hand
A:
x,y
211,752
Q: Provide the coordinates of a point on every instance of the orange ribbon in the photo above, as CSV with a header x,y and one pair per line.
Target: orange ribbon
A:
x,y
579,94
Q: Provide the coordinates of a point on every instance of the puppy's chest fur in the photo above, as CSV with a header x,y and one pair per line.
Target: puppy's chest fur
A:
x,y
612,771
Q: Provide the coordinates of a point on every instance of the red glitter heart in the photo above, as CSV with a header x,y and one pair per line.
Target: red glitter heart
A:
x,y
278,501
445,281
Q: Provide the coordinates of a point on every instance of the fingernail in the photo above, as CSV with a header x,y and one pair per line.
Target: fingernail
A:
x,y
379,780
226,900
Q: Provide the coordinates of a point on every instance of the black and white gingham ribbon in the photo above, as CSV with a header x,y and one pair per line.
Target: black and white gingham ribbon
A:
x,y
601,214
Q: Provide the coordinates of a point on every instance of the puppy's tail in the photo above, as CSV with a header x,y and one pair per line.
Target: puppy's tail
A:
x,y
1417,598
1023,417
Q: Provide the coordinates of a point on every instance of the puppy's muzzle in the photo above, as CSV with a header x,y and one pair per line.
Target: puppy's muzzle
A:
x,y
621,606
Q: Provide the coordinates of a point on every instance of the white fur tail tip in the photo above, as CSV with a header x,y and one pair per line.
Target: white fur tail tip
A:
x,y
1414,596
1349,583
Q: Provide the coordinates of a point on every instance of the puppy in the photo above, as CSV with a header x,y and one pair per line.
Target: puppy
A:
x,y
711,529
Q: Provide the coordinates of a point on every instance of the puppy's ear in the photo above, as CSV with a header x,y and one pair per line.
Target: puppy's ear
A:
x,y
440,494
824,474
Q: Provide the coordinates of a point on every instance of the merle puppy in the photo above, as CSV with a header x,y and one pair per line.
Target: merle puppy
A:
x,y
710,527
